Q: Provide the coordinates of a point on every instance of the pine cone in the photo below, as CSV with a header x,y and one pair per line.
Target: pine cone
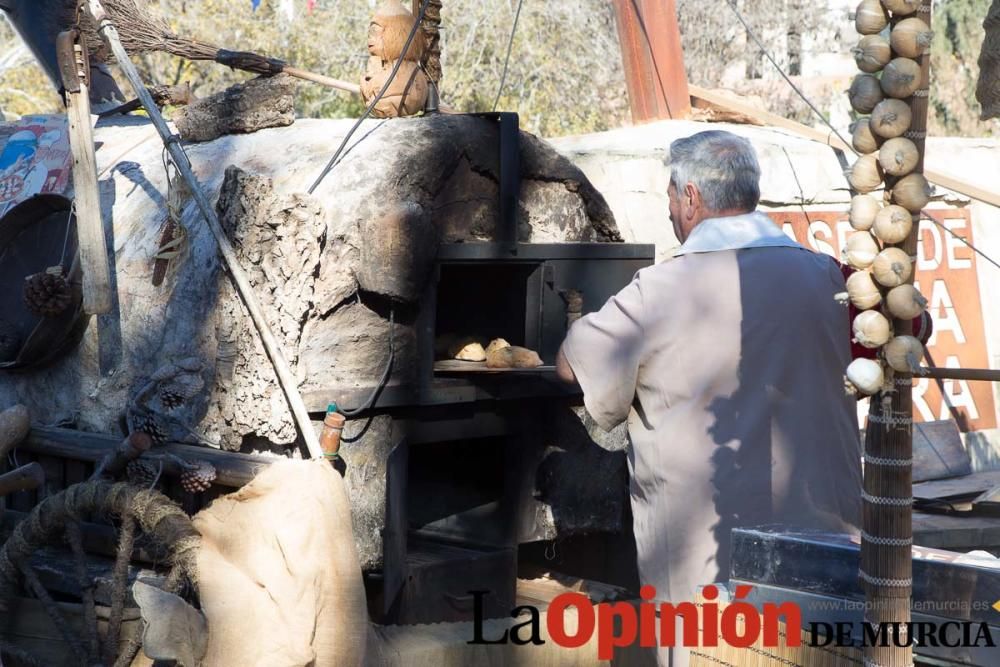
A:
x,y
47,294
141,473
198,478
170,399
10,341
151,425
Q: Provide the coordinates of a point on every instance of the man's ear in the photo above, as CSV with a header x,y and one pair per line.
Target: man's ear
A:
x,y
691,192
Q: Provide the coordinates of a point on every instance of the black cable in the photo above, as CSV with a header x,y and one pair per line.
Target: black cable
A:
x,y
385,373
392,75
506,62
767,54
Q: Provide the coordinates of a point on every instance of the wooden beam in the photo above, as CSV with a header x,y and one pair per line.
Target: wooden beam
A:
x,y
828,138
234,469
653,58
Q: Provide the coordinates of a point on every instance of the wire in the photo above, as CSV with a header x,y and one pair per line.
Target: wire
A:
x,y
371,106
974,248
766,53
819,114
385,373
506,62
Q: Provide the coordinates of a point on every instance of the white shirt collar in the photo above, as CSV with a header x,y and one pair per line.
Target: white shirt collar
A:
x,y
750,230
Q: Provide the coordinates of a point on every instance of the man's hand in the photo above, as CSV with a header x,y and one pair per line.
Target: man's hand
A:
x,y
563,370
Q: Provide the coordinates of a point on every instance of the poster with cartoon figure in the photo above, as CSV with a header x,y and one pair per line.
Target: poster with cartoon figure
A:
x,y
35,158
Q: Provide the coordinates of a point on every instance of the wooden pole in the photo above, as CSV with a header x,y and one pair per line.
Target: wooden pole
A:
x,y
654,60
243,287
887,537
86,197
973,374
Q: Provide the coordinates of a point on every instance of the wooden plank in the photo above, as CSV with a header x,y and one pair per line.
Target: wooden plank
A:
x,y
458,366
938,451
234,468
956,533
830,139
29,628
89,222
959,487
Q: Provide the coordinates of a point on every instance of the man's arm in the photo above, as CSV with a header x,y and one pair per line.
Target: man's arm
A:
x,y
563,370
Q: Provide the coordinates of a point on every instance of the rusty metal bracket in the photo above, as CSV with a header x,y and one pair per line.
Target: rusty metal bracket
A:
x,y
74,61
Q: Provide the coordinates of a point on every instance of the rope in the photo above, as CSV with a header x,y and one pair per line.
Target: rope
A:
x,y
119,582
506,62
371,106
888,583
75,537
891,421
887,541
974,248
767,54
898,463
882,500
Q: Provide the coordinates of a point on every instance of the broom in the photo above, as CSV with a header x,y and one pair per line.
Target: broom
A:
x,y
141,32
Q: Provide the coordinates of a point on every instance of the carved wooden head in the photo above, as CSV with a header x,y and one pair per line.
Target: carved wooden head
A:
x,y
389,29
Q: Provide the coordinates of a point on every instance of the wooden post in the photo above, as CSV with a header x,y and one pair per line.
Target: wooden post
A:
x,y
87,199
887,540
654,60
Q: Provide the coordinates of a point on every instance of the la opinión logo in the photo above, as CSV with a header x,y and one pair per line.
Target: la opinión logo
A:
x,y
738,624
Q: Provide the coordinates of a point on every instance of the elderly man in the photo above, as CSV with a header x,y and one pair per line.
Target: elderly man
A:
x,y
727,362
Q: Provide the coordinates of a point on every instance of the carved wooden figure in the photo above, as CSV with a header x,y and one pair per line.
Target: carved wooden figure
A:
x,y
407,94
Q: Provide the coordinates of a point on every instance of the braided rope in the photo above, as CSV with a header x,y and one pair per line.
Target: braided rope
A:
x,y
923,92
882,500
915,134
896,463
891,420
888,583
887,541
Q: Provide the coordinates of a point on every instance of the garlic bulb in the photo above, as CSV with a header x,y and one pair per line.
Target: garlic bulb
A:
x,y
901,78
866,376
865,93
862,290
898,156
905,302
911,38
866,174
891,118
893,224
864,208
872,53
870,18
862,138
903,354
861,250
902,7
872,329
892,267
912,192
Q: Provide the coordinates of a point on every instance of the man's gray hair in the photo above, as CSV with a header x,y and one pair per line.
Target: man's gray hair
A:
x,y
721,165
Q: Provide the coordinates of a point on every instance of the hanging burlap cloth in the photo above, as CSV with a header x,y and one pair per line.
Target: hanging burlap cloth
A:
x,y
988,88
278,575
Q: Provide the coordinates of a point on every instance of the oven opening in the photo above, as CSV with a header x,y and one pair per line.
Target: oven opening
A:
x,y
480,303
456,490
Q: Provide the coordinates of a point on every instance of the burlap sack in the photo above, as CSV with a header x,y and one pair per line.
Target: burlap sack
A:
x,y
279,578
